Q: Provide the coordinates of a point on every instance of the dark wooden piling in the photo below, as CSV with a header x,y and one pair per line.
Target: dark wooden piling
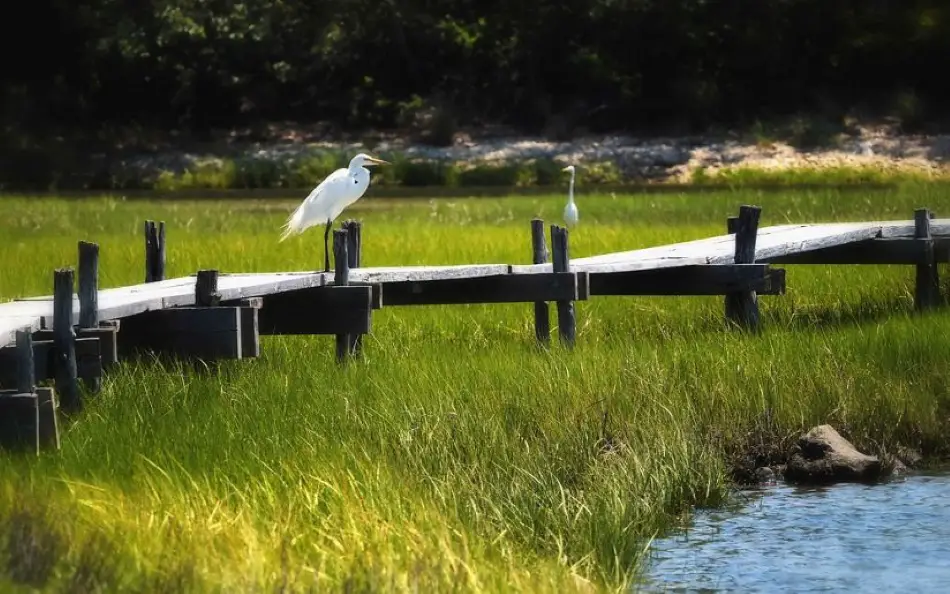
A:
x,y
566,318
154,251
742,308
206,288
88,285
341,278
26,368
89,301
64,340
927,286
539,255
354,249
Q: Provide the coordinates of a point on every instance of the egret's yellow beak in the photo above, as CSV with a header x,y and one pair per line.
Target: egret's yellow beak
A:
x,y
375,161
568,168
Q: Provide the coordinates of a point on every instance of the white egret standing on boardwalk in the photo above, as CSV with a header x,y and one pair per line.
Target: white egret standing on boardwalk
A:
x,y
327,201
570,211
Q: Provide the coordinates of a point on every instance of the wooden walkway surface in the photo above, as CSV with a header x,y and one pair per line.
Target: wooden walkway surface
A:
x,y
81,331
773,244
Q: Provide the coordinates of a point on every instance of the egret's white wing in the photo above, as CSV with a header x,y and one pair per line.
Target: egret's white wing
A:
x,y
326,201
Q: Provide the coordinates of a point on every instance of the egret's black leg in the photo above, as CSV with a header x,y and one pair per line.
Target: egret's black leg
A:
x,y
326,248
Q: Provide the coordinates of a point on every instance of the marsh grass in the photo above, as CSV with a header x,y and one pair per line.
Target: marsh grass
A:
x,y
457,456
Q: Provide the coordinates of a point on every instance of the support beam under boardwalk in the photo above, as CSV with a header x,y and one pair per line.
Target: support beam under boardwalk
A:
x,y
508,288
318,310
702,279
207,333
28,420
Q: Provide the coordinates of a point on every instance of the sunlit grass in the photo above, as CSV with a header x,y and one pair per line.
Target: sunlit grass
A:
x,y
457,456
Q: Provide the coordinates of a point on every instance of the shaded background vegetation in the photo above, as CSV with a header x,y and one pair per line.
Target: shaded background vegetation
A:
x,y
102,71
605,63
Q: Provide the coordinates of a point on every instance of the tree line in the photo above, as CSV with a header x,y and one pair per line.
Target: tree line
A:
x,y
598,64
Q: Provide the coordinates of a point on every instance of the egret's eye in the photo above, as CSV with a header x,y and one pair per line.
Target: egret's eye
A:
x,y
356,181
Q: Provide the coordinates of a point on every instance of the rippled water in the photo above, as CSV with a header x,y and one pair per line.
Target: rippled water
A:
x,y
844,538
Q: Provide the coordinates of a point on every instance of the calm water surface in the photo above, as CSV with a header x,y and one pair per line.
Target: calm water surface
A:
x,y
890,537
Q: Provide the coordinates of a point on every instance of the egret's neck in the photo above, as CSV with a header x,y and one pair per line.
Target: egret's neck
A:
x,y
570,190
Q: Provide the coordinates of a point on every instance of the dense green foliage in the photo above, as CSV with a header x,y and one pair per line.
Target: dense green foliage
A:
x,y
598,63
457,456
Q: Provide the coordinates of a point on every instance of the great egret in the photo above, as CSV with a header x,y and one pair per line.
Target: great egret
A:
x,y
340,189
570,211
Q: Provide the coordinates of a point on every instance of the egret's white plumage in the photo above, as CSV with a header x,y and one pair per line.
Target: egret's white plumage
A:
x,y
571,215
328,200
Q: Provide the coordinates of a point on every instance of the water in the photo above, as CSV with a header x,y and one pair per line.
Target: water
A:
x,y
845,538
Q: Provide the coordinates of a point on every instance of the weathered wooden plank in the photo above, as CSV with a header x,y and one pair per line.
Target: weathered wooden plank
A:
x,y
207,333
506,288
423,273
10,325
706,279
320,310
868,252
123,302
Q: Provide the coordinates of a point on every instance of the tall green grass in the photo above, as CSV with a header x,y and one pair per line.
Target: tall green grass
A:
x,y
457,456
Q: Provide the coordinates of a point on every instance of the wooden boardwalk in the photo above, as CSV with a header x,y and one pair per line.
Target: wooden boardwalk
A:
x,y
77,333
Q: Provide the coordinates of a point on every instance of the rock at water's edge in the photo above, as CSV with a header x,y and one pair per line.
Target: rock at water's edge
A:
x,y
823,456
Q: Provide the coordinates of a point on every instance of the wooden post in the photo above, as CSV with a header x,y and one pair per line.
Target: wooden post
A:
x,y
354,247
206,288
64,340
88,285
927,286
566,320
341,278
154,251
353,242
732,223
89,298
539,255
742,307
25,375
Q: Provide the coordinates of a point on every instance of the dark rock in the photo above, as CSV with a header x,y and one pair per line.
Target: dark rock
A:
x,y
765,475
822,456
909,456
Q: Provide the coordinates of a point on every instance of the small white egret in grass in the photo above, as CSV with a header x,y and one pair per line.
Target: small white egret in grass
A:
x,y
570,211
328,200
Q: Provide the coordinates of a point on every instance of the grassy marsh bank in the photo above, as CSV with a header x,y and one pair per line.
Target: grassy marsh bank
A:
x,y
457,456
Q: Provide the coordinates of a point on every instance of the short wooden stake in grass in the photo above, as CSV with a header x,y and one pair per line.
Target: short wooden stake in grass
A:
x,y
206,288
566,319
354,251
64,340
539,255
154,251
927,286
341,278
742,308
